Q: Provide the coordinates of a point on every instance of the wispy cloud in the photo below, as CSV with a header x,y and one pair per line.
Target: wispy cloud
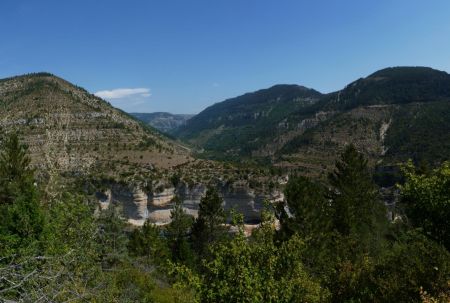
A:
x,y
120,93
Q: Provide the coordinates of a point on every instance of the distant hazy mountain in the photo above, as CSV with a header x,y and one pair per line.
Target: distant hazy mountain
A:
x,y
165,122
393,114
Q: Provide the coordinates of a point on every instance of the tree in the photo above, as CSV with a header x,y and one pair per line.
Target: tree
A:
x,y
306,210
208,226
411,264
355,205
22,216
255,270
178,232
15,170
111,238
358,227
426,198
149,242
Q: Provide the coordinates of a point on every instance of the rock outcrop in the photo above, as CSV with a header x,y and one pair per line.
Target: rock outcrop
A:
x,y
138,205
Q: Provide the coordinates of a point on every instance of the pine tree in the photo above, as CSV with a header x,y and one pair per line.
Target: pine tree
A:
x,y
355,204
112,239
178,232
148,242
15,171
22,216
208,226
306,210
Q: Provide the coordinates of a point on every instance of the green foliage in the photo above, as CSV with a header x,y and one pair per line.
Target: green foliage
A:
x,y
254,271
307,211
335,244
398,85
111,238
22,224
284,119
178,232
175,179
208,227
356,207
149,242
426,198
15,171
238,126
420,132
71,231
22,217
411,263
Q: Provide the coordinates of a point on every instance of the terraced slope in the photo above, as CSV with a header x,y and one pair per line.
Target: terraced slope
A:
x,y
72,132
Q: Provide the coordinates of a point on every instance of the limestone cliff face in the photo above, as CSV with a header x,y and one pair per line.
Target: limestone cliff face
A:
x,y
162,199
139,205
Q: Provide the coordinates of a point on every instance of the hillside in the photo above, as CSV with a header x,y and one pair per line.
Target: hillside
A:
x,y
393,114
395,85
71,132
240,125
164,122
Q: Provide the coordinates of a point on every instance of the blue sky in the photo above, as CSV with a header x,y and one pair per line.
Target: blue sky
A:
x,y
182,56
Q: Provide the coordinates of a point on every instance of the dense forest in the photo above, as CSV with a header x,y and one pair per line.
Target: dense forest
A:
x,y
330,241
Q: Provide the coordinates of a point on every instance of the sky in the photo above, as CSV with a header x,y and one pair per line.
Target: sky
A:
x,y
181,56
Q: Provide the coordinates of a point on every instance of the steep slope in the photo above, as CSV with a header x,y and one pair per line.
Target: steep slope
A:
x,y
395,85
164,122
72,132
393,115
238,126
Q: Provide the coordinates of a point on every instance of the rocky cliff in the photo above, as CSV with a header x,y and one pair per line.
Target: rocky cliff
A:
x,y
139,205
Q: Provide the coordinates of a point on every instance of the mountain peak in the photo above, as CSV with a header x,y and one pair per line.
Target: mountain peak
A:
x,y
409,72
393,85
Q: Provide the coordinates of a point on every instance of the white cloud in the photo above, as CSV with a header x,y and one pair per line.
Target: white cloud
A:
x,y
120,93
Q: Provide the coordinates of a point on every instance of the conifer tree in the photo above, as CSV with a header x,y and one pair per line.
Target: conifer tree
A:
x,y
112,238
178,231
208,226
22,217
15,171
355,204
306,210
148,242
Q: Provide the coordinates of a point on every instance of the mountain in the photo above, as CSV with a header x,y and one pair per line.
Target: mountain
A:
x,y
241,125
71,132
395,85
392,115
164,122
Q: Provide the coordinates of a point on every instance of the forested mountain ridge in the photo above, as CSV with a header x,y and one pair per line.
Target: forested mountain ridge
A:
x,y
394,85
392,115
240,125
